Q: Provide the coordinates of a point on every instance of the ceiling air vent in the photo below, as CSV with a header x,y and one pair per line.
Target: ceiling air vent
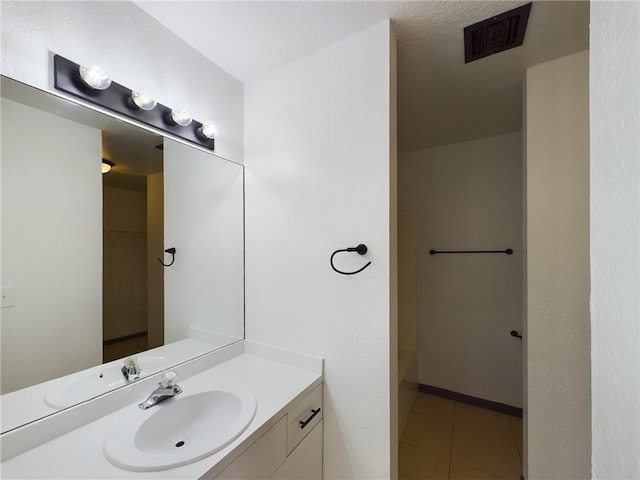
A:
x,y
496,34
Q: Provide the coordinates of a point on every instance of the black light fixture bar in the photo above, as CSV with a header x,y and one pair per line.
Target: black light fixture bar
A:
x,y
117,98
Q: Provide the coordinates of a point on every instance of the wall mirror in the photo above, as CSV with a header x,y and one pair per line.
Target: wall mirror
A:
x,y
83,285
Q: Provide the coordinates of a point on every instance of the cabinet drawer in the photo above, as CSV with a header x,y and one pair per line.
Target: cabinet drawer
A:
x,y
303,416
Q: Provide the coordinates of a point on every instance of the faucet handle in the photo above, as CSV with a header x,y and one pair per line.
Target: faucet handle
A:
x,y
169,379
130,370
131,365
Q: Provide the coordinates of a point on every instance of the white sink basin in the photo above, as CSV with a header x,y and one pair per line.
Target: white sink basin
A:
x,y
96,381
180,430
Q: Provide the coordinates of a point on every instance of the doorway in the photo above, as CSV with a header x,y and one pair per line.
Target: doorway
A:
x,y
133,280
466,203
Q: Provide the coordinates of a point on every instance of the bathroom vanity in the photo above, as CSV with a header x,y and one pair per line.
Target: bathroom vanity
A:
x,y
283,438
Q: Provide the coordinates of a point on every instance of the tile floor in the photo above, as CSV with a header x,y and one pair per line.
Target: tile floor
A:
x,y
445,439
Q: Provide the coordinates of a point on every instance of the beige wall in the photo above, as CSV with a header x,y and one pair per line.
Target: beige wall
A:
x,y
155,250
407,311
51,246
557,274
467,196
407,282
124,263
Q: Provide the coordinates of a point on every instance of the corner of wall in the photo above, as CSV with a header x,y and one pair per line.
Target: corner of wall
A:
x,y
393,255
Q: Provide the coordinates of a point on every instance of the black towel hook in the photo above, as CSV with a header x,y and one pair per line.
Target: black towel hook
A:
x,y
171,251
360,249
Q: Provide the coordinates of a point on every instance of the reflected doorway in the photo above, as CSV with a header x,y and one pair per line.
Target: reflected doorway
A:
x,y
133,226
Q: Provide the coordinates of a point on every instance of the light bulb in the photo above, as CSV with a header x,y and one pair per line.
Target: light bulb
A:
x,y
95,77
143,100
106,166
181,117
208,130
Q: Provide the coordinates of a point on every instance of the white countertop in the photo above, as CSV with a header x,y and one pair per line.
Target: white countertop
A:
x,y
23,406
277,379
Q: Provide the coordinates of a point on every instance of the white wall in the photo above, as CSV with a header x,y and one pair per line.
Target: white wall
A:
x,y
318,173
557,331
136,51
51,246
468,196
615,233
203,220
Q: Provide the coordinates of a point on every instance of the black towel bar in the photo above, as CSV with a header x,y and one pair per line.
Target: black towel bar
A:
x,y
508,251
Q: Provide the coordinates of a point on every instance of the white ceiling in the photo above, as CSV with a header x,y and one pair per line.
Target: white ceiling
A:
x,y
440,98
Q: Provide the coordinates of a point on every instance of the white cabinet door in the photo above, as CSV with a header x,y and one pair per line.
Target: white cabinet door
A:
x,y
305,461
261,459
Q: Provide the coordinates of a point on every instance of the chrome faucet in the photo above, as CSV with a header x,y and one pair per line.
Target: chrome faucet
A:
x,y
131,370
167,388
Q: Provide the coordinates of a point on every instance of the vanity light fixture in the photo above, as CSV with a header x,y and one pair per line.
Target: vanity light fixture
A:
x,y
107,165
142,99
94,77
94,87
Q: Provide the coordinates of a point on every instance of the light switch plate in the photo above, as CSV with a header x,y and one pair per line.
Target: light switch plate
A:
x,y
8,297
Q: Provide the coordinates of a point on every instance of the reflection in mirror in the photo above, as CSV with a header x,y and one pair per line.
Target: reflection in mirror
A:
x,y
133,231
80,253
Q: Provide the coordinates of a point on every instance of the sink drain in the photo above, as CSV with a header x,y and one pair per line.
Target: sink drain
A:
x,y
179,444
